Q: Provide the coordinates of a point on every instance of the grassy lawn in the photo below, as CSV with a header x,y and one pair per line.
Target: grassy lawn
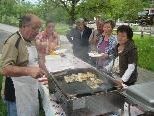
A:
x,y
145,51
3,111
2,106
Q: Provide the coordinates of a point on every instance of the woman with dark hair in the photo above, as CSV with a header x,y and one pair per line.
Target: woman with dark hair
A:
x,y
125,64
106,45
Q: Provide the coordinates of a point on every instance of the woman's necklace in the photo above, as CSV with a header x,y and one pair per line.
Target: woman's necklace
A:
x,y
121,48
106,37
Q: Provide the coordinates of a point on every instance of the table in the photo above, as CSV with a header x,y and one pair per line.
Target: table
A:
x,y
58,63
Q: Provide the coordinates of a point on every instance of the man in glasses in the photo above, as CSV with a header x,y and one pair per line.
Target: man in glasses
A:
x,y
20,68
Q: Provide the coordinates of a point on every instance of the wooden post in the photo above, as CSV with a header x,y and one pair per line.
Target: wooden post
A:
x,y
150,31
142,31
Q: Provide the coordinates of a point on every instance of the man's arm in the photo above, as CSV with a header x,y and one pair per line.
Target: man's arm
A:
x,y
9,61
91,38
42,62
16,71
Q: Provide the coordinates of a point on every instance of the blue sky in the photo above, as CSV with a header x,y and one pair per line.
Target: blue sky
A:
x,y
32,1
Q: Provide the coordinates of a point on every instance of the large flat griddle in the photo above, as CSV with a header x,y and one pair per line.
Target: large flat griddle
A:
x,y
78,89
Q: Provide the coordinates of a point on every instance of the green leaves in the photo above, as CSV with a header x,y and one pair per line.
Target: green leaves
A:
x,y
131,9
66,10
2,105
11,10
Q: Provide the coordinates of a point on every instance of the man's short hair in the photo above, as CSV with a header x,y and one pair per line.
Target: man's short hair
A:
x,y
25,20
112,23
80,20
28,19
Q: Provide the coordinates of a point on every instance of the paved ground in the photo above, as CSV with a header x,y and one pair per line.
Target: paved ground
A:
x,y
3,36
6,30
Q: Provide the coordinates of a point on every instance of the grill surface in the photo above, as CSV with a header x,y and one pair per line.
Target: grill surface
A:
x,y
81,88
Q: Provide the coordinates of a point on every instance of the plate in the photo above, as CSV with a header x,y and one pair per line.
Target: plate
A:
x,y
61,51
95,54
52,57
58,52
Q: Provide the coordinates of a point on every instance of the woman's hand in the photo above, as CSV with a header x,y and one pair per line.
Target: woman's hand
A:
x,y
119,83
104,56
52,47
41,45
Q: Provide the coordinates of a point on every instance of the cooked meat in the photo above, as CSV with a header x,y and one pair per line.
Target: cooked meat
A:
x,y
91,79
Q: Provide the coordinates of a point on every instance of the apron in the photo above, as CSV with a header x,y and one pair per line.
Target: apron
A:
x,y
26,89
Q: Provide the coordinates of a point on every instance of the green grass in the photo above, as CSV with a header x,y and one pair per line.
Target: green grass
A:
x,y
2,105
3,111
61,28
145,51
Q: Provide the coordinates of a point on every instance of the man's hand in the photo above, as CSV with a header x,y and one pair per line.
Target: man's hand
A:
x,y
43,80
36,72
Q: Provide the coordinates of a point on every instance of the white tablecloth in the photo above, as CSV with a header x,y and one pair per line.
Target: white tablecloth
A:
x,y
50,107
58,63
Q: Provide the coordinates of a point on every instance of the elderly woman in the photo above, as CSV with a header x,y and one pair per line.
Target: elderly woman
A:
x,y
106,45
125,64
93,39
46,42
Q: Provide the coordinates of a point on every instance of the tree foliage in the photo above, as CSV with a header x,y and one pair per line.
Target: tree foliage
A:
x,y
69,10
11,10
131,9
91,8
68,5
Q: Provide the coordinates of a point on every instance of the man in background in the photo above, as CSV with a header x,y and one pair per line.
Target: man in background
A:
x,y
80,40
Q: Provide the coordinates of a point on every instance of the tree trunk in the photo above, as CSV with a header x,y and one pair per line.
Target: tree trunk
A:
x,y
72,13
72,18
